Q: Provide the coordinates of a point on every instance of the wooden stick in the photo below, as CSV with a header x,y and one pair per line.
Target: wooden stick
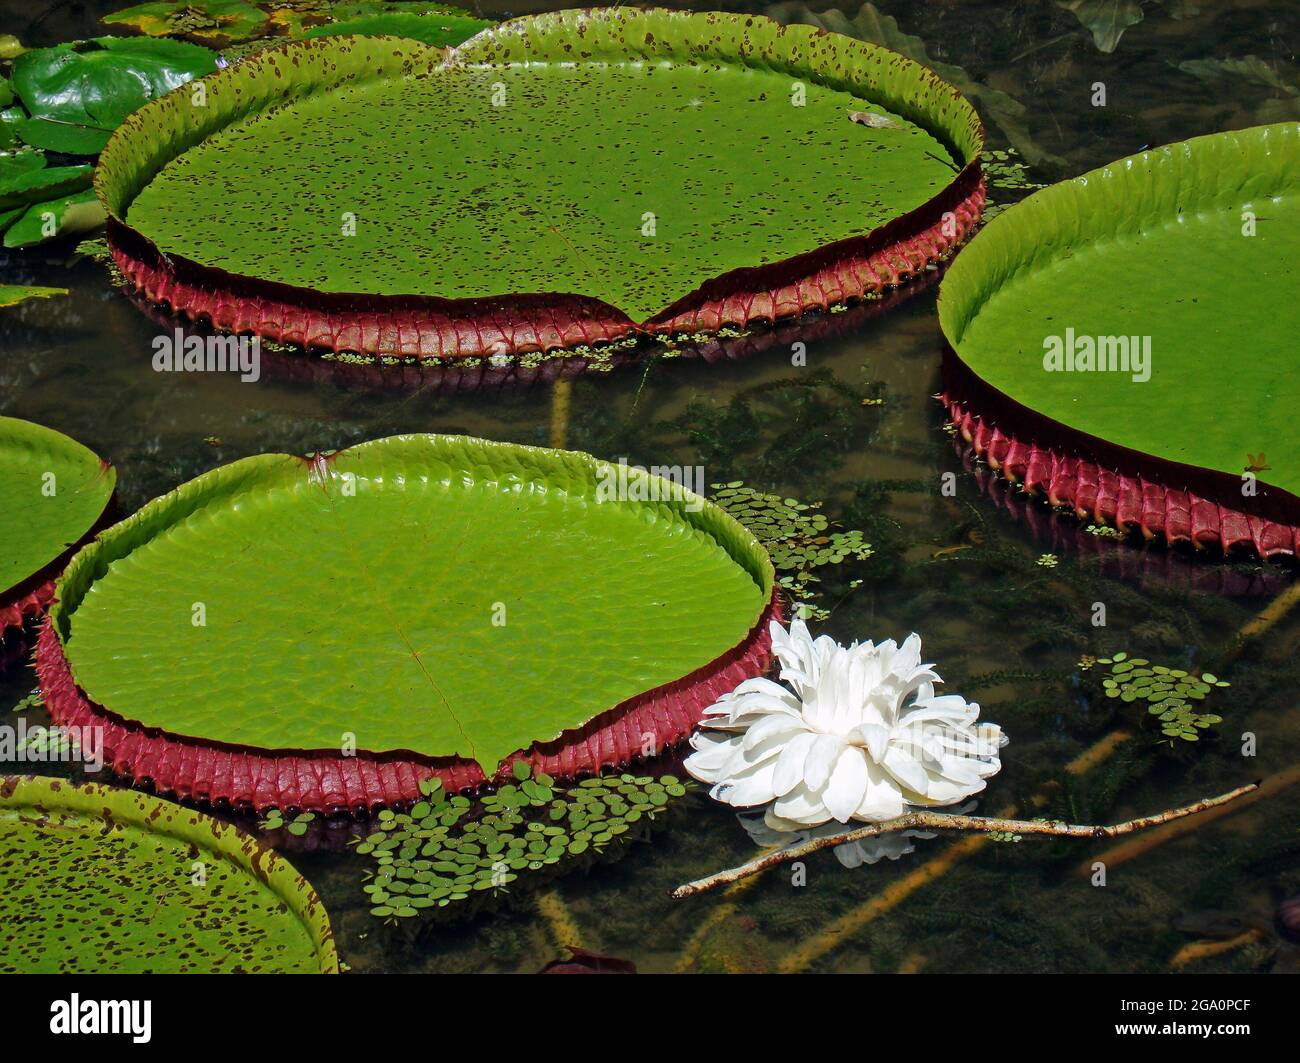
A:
x,y
941,821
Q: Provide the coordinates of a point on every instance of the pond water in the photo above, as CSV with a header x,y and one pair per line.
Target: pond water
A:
x,y
858,428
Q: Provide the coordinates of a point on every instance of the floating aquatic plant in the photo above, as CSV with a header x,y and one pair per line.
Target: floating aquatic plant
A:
x,y
26,179
39,202
14,294
297,826
98,879
29,701
227,21
45,744
69,98
493,651
1168,693
655,263
1007,178
76,94
448,848
213,20
53,490
96,249
798,538
1109,268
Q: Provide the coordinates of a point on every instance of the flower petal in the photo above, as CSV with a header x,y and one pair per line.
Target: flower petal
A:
x,y
847,785
883,799
790,764
801,806
821,758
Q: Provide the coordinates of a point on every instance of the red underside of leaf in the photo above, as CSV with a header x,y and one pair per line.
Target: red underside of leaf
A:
x,y
1145,563
328,782
17,609
428,327
1118,499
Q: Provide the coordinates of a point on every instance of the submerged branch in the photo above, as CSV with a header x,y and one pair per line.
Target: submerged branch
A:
x,y
941,821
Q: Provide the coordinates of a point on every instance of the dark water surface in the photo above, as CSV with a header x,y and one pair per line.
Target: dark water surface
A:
x,y
963,571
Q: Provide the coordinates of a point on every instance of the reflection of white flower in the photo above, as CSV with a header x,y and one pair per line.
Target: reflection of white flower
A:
x,y
852,854
859,735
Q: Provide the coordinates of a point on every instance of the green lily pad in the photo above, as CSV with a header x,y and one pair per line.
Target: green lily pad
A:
x,y
727,142
11,120
14,294
40,183
101,880
68,216
18,165
78,94
38,203
442,31
442,595
52,491
350,9
202,19
1178,268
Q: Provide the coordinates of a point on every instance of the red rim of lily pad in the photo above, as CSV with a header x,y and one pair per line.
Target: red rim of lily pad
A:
x,y
1107,484
260,779
1115,556
431,327
28,602
519,374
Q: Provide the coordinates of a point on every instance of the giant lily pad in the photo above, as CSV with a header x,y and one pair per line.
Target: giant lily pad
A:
x,y
239,20
1122,340
439,603
204,19
101,880
559,180
52,492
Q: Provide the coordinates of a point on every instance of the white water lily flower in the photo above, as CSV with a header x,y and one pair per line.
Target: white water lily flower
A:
x,y
859,734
